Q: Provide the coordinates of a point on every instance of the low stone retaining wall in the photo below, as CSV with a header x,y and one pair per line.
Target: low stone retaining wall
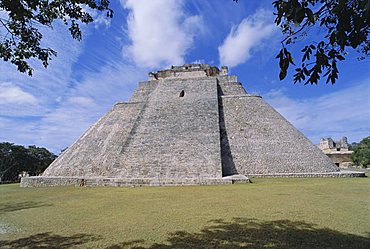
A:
x,y
40,181
342,173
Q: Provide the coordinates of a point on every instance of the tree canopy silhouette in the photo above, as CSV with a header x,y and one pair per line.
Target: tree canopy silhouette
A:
x,y
16,158
344,24
20,22
361,152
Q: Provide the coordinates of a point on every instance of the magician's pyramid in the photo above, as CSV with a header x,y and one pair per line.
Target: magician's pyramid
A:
x,y
192,124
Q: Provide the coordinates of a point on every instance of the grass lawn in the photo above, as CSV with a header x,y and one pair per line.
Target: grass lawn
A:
x,y
269,213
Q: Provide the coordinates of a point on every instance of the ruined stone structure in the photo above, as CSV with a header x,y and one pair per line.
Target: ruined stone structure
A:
x,y
192,124
337,151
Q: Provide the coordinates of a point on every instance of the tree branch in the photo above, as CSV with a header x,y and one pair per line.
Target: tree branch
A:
x,y
6,27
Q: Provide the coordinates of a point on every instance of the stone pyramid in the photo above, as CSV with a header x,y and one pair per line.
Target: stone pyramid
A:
x,y
192,124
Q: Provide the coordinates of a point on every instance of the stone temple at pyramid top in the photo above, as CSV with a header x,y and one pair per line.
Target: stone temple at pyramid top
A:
x,y
189,71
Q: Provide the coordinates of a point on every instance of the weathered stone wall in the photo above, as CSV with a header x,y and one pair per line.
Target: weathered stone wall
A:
x,y
97,150
158,134
229,85
178,131
341,174
260,141
188,71
337,151
143,91
178,137
328,145
341,158
37,181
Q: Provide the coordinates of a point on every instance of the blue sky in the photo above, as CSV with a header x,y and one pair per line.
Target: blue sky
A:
x,y
55,106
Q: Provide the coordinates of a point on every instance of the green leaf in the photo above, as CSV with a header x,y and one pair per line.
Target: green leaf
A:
x,y
310,15
282,74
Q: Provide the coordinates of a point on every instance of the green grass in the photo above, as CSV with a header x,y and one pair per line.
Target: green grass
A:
x,y
269,213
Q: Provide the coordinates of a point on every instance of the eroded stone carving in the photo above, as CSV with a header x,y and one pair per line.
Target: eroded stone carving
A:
x,y
188,71
337,151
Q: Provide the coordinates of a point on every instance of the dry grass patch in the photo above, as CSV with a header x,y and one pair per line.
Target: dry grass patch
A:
x,y
275,213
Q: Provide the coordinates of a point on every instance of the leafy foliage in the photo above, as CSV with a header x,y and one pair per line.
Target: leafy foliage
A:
x,y
345,23
15,158
20,38
361,152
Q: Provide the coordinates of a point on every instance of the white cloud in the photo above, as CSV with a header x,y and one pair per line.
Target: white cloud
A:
x,y
66,104
15,101
245,38
102,20
25,100
160,32
46,85
11,94
341,113
3,123
82,101
41,91
78,109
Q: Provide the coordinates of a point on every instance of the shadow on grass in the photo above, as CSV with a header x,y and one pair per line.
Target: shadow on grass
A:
x,y
10,207
246,233
48,240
